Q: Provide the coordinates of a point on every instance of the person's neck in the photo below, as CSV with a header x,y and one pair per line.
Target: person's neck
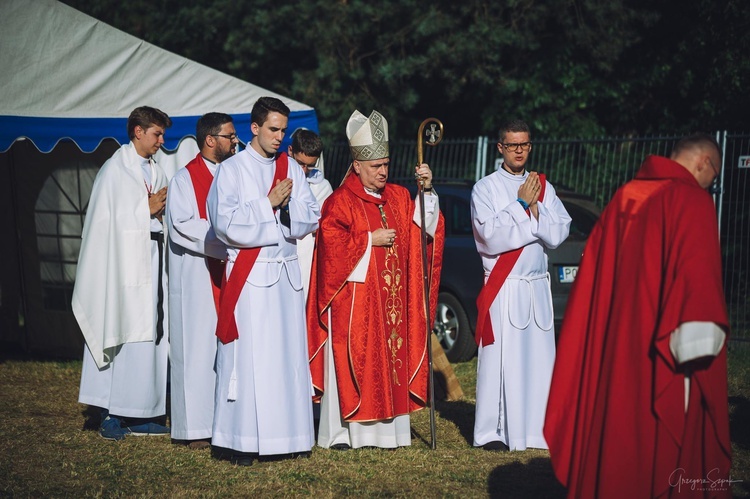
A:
x,y
140,153
507,169
209,157
259,150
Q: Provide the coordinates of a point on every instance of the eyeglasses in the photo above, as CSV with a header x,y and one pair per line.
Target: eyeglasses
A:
x,y
515,146
306,165
230,137
714,188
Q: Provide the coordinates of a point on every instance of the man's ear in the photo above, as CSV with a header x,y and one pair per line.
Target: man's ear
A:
x,y
356,166
289,151
254,128
703,163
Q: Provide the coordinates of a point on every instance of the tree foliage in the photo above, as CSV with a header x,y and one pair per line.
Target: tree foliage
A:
x,y
687,72
569,67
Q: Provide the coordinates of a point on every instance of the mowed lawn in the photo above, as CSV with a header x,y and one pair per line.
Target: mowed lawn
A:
x,y
49,447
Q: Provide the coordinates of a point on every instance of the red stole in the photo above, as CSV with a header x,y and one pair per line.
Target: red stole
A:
x,y
483,334
201,177
226,326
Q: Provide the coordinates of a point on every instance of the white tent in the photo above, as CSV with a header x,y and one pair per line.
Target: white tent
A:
x,y
67,75
68,84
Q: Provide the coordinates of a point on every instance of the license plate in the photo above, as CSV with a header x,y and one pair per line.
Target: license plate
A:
x,y
567,274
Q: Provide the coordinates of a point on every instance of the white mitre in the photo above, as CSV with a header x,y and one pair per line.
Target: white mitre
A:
x,y
368,137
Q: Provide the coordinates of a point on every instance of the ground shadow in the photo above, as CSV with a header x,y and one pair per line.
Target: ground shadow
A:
x,y
14,351
92,418
739,421
532,479
739,431
461,413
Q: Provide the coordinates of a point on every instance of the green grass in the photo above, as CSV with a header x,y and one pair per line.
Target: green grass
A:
x,y
49,447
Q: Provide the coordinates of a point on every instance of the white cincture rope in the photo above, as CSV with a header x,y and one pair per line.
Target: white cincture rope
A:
x,y
532,309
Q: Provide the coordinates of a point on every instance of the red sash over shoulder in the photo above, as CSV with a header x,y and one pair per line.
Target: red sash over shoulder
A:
x,y
226,327
201,177
505,263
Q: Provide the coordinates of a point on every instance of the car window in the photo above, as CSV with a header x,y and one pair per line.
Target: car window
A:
x,y
460,217
583,220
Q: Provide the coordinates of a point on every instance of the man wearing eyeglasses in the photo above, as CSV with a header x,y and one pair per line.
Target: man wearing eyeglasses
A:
x,y
196,265
516,216
638,403
305,149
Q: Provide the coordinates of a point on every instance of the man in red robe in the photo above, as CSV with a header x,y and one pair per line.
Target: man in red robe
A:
x,y
366,308
638,403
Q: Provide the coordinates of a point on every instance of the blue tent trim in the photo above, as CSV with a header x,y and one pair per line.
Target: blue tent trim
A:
x,y
88,133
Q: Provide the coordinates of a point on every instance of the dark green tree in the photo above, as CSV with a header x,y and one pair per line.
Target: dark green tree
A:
x,y
570,68
688,72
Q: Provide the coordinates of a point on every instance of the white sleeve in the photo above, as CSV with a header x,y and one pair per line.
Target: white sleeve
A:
x,y
304,210
553,225
431,213
185,227
500,224
693,340
360,271
237,222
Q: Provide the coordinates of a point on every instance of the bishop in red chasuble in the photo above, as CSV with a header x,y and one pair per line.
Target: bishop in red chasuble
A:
x,y
366,310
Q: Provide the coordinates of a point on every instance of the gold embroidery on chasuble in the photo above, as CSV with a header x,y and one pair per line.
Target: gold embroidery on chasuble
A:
x,y
392,277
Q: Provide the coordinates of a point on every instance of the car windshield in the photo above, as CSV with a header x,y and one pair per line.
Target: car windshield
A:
x,y
583,220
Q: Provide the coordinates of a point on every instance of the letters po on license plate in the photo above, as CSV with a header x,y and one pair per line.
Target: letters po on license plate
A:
x,y
568,273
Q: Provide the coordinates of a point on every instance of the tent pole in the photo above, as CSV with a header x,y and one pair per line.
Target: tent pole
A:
x,y
19,249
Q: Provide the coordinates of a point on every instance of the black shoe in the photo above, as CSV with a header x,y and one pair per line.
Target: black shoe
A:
x,y
497,446
341,447
241,459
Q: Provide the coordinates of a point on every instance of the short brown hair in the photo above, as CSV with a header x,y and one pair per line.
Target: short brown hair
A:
x,y
146,117
514,125
210,124
265,105
307,142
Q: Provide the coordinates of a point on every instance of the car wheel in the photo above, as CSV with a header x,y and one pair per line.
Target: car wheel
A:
x,y
453,330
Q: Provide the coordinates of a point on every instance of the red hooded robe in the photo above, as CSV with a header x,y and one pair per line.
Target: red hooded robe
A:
x,y
616,423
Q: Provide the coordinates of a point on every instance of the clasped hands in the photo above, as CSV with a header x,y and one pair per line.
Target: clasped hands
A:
x,y
157,201
530,191
281,193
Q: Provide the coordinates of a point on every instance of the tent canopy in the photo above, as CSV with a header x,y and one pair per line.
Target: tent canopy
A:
x,y
70,76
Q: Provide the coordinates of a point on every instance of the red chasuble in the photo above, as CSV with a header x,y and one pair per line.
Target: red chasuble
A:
x,y
616,423
378,327
202,178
